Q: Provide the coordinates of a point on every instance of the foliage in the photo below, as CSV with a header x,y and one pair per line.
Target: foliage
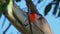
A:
x,y
18,0
39,1
48,7
3,6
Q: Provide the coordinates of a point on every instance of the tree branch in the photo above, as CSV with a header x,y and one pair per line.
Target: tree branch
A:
x,y
15,23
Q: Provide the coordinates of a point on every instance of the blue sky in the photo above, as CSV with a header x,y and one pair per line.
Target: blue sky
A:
x,y
52,20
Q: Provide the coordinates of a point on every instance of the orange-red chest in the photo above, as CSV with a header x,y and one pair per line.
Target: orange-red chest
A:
x,y
32,17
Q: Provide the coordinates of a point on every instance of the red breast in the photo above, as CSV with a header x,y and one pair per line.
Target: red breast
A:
x,y
32,17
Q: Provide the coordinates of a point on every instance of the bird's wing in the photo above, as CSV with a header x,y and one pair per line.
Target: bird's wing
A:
x,y
43,25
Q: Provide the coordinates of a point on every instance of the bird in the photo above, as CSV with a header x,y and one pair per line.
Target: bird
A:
x,y
40,22
37,19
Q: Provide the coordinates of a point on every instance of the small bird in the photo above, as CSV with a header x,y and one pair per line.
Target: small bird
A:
x,y
39,21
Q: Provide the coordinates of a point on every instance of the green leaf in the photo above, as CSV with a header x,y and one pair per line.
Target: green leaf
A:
x,y
0,14
18,0
55,9
58,14
39,1
56,0
0,10
3,6
47,9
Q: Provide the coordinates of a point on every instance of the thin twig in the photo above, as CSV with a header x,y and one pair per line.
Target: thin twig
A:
x,y
7,28
3,22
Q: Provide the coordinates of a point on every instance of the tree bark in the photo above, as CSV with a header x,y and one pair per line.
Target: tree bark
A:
x,y
15,23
